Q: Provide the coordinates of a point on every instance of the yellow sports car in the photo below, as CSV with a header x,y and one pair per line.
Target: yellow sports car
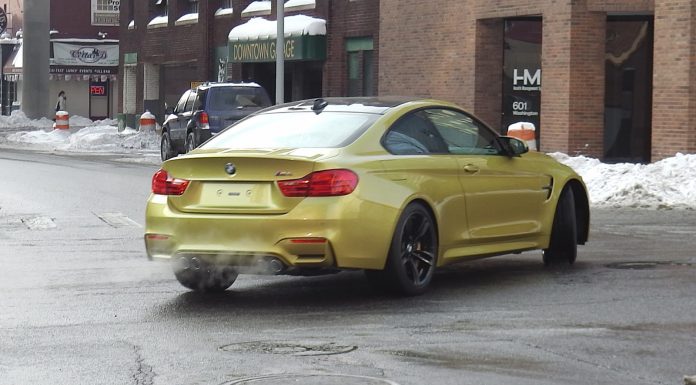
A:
x,y
393,186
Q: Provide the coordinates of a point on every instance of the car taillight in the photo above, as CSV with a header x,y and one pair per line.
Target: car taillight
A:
x,y
320,184
164,184
203,118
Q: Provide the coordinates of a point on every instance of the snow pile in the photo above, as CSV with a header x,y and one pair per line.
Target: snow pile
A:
x,y
102,138
669,183
79,121
18,120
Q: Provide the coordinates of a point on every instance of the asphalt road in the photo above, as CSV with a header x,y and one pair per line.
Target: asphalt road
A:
x,y
80,304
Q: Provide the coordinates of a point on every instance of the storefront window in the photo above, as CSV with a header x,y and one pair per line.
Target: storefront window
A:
x,y
360,67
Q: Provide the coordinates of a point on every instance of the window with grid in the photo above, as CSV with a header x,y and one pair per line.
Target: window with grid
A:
x,y
193,6
108,5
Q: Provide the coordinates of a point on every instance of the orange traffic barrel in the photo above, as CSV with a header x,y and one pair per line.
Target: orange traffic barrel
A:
x,y
147,122
62,120
524,131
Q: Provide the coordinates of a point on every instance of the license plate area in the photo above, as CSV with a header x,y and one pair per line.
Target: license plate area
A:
x,y
236,195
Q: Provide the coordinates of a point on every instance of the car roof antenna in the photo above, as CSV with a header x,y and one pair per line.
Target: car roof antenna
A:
x,y
319,105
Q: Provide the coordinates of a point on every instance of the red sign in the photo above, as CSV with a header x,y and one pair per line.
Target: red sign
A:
x,y
97,90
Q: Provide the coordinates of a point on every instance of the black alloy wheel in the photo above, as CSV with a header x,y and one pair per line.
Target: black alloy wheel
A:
x,y
563,246
412,256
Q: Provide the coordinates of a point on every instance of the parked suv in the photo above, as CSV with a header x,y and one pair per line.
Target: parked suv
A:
x,y
206,110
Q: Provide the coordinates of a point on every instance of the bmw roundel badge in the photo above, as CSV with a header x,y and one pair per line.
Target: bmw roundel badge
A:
x,y
230,169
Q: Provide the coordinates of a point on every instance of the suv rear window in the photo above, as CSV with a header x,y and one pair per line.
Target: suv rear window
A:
x,y
230,98
304,129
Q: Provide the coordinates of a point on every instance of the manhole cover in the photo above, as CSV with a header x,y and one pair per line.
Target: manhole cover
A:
x,y
289,348
311,379
643,265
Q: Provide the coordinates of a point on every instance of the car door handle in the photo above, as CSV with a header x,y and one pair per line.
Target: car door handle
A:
x,y
470,168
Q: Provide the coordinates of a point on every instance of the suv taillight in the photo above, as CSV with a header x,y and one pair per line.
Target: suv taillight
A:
x,y
164,184
321,184
203,118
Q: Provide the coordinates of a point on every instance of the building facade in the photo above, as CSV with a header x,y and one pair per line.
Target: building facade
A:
x,y
170,46
83,59
612,79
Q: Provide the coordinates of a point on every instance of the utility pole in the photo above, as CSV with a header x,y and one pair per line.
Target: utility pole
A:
x,y
36,46
280,52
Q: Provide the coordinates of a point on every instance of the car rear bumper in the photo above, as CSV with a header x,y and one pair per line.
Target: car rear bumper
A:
x,y
313,235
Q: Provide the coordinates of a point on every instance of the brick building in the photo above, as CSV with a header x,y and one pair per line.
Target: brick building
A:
x,y
83,57
613,79
169,46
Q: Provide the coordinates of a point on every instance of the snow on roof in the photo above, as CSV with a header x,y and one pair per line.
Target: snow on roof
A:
x,y
159,21
79,41
257,8
188,18
258,28
224,11
296,5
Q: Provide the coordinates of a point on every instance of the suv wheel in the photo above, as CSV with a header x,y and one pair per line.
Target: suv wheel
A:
x,y
166,150
191,141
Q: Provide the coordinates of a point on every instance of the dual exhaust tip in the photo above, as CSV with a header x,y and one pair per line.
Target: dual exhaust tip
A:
x,y
262,266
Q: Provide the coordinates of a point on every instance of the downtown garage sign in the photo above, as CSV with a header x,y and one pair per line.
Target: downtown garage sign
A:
x,y
304,47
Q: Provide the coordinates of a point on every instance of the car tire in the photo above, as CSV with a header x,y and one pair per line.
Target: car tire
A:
x,y
166,149
191,141
204,277
563,245
412,257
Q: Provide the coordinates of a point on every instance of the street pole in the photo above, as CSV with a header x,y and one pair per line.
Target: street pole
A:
x,y
280,52
36,47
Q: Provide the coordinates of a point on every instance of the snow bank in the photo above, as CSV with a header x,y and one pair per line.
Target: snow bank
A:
x,y
667,184
19,120
102,138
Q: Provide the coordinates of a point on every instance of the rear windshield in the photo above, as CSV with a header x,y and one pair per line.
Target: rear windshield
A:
x,y
230,98
303,129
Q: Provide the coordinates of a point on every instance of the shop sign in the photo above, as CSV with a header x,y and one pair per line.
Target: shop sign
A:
x,y
85,55
296,48
79,70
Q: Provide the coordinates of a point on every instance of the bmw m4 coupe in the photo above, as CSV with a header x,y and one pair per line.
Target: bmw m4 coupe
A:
x,y
393,186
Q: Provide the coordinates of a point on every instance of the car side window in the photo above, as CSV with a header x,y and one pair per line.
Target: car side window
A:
x,y
181,104
463,134
189,101
199,104
414,134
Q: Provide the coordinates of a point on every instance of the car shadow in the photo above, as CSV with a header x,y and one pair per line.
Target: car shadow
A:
x,y
349,291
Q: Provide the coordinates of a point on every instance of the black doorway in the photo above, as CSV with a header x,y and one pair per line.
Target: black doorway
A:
x,y
628,89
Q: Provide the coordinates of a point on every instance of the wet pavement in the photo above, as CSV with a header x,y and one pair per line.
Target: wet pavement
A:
x,y
82,305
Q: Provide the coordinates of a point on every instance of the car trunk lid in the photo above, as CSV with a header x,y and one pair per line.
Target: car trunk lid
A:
x,y
239,182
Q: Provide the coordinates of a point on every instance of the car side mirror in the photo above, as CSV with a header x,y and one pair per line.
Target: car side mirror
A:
x,y
168,110
514,146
